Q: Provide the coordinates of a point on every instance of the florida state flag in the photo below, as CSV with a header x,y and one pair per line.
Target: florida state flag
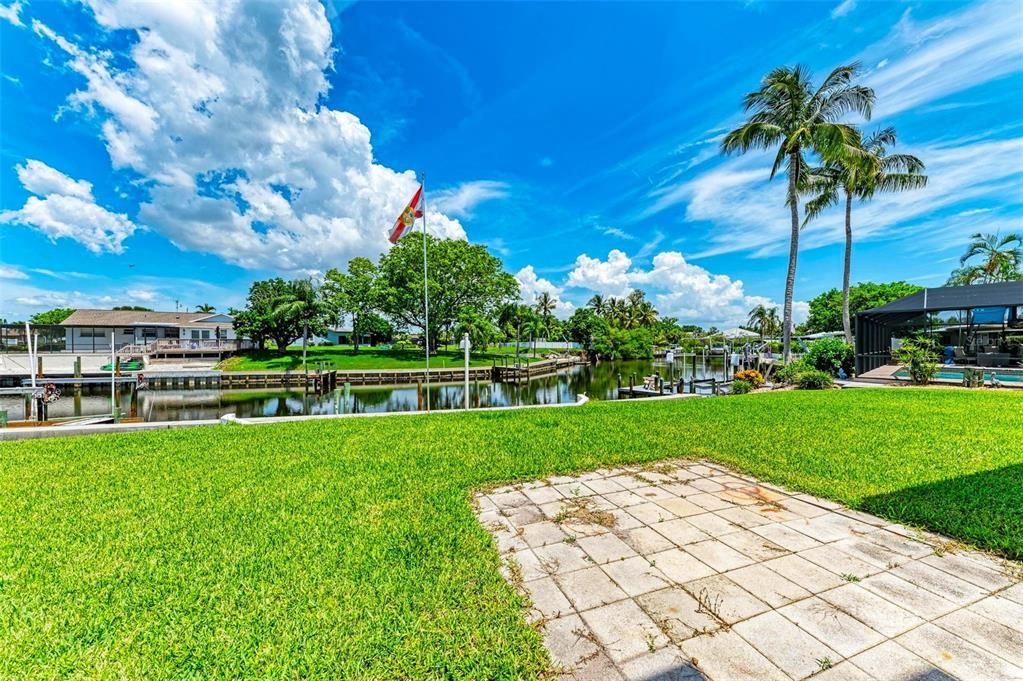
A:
x,y
408,216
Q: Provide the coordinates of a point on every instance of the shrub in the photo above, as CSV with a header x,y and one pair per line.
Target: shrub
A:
x,y
751,376
741,387
788,373
814,379
830,355
920,357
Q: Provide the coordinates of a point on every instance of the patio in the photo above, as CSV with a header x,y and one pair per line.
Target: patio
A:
x,y
979,325
688,570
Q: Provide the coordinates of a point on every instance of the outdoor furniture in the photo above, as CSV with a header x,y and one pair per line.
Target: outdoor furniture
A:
x,y
960,356
993,359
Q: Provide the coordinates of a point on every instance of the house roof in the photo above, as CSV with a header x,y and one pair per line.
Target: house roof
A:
x,y
1007,293
140,318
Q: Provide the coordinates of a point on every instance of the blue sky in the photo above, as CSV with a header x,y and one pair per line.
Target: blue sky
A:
x,y
172,153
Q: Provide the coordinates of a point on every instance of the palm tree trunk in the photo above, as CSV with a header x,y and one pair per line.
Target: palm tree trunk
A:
x,y
790,278
305,343
846,322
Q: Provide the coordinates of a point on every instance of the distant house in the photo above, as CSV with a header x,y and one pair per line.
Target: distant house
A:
x,y
345,337
89,330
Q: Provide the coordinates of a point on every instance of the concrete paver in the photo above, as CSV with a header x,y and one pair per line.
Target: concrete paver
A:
x,y
693,571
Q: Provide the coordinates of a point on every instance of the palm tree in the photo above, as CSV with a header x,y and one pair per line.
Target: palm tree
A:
x,y
303,301
205,307
870,171
788,113
535,327
512,317
758,319
645,314
1000,260
545,305
616,311
772,322
597,304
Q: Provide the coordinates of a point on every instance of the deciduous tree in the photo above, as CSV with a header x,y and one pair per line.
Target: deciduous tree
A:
x,y
462,275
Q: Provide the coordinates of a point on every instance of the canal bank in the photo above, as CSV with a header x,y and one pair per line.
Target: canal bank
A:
x,y
195,401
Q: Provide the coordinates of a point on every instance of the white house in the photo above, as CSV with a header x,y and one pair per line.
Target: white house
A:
x,y
89,330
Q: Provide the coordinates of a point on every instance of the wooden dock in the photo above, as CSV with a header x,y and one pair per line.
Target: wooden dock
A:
x,y
326,380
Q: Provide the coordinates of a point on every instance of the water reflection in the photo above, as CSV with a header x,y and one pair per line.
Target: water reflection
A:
x,y
598,382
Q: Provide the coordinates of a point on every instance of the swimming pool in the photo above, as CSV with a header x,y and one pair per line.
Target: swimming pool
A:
x,y
1003,375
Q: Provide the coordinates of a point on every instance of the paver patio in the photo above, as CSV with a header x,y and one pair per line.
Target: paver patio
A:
x,y
689,570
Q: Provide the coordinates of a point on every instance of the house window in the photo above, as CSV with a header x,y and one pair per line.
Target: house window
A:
x,y
206,334
92,333
128,332
195,334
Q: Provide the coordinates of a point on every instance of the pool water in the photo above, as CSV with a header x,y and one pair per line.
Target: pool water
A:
x,y
1003,375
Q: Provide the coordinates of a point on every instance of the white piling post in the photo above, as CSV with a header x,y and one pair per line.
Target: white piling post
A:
x,y
466,344
113,373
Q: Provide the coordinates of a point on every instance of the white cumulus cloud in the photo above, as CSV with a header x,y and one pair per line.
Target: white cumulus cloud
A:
x,y
677,287
531,285
219,107
65,208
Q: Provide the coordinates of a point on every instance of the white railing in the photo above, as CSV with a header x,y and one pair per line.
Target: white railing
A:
x,y
197,345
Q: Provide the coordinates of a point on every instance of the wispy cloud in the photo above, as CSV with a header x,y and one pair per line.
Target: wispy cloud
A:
x,y
64,275
460,201
843,8
750,215
12,13
650,246
616,232
930,60
11,273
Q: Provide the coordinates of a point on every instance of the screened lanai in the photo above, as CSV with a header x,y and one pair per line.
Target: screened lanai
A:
x,y
978,325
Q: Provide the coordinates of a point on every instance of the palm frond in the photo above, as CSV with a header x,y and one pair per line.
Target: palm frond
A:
x,y
826,197
752,135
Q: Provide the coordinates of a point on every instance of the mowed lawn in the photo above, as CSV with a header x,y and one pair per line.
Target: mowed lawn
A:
x,y
344,357
348,548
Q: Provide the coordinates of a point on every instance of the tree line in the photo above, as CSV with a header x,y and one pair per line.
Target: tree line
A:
x,y
469,293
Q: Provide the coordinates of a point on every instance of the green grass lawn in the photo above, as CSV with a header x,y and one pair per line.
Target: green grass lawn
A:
x,y
348,548
343,357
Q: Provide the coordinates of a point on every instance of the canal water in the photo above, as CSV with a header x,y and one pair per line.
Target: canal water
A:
x,y
599,382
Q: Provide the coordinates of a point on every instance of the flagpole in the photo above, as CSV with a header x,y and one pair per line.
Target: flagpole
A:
x,y
426,298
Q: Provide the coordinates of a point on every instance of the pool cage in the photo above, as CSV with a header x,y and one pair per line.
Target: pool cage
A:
x,y
978,325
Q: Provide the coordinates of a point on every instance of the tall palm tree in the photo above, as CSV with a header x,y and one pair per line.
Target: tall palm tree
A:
x,y
788,113
870,171
535,327
303,301
773,323
512,317
545,305
1000,260
757,319
205,307
597,304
